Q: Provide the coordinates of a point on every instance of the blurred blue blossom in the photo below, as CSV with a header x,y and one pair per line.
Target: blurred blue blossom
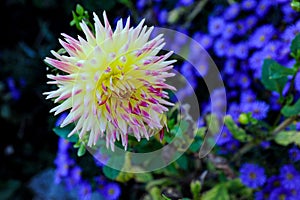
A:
x,y
294,154
248,96
84,190
204,40
248,4
259,109
252,175
111,191
290,177
216,25
263,7
241,50
261,36
14,91
231,11
185,2
280,193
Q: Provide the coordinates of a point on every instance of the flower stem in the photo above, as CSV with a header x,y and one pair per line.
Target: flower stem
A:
x,y
195,12
283,125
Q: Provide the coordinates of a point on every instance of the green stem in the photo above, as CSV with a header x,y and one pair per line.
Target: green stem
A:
x,y
283,125
195,12
247,147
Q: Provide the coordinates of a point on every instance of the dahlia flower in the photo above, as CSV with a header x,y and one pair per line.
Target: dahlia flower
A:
x,y
112,82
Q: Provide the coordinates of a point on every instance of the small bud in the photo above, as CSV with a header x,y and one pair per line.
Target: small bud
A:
x,y
243,118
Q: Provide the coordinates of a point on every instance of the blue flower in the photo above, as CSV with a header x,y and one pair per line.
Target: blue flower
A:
x,y
230,51
244,80
265,144
75,174
231,11
230,146
288,13
186,2
111,191
280,193
235,111
61,118
224,137
63,146
289,34
252,175
256,61
202,67
100,158
272,183
289,176
241,50
248,4
248,96
263,7
84,190
229,30
205,40
14,91
274,101
229,66
261,36
294,154
241,27
163,17
187,70
215,25
220,47
259,109
141,4
251,21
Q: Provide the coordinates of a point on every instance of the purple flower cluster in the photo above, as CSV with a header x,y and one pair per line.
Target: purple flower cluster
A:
x,y
68,173
285,185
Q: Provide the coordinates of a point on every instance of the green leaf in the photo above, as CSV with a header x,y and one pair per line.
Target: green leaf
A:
x,y
183,162
143,177
110,173
274,75
8,188
285,138
219,192
195,146
81,151
291,110
237,132
236,187
79,9
155,193
295,45
296,5
195,189
165,197
64,132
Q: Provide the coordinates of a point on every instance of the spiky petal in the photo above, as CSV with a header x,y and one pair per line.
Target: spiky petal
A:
x,y
112,82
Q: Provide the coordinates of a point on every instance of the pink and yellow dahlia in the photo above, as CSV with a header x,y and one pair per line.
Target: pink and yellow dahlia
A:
x,y
112,82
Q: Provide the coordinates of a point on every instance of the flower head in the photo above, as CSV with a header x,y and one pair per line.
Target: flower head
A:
x,y
111,191
294,154
259,109
289,176
261,36
252,175
215,25
112,82
248,4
